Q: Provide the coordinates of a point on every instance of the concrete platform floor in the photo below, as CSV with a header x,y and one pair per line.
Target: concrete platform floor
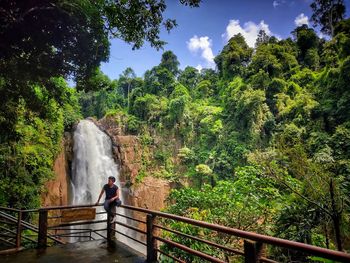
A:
x,y
82,252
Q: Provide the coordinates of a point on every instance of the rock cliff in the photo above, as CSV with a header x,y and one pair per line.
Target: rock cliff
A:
x,y
129,153
56,191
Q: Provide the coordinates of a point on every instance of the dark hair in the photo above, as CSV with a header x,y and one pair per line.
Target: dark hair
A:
x,y
112,178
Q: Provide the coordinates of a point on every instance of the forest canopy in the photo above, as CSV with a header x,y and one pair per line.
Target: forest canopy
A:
x,y
260,143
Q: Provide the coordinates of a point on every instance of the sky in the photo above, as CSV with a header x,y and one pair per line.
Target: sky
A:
x,y
202,32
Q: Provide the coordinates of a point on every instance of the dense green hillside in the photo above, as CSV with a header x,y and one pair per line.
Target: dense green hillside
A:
x,y
261,143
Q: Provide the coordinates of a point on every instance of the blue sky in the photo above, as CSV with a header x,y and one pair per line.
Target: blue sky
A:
x,y
202,32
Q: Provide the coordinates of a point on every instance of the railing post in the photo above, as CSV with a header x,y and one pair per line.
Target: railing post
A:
x,y
151,241
109,230
252,251
19,229
42,235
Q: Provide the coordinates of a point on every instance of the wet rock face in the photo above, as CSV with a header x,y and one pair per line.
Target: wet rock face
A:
x,y
151,193
128,152
56,190
126,148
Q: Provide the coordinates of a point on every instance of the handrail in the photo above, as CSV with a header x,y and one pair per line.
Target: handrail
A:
x,y
9,209
317,251
27,225
151,214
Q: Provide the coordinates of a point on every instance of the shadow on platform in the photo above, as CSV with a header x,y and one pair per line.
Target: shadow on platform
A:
x,y
82,252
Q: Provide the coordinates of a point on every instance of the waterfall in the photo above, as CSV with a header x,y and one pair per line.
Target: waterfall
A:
x,y
93,163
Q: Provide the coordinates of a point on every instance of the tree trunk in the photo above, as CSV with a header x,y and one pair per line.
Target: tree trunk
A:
x,y
335,217
129,96
326,234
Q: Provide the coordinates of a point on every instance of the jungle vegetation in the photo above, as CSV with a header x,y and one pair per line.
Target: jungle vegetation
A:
x,y
260,143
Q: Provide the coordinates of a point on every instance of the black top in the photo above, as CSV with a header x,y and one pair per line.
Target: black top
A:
x,y
110,191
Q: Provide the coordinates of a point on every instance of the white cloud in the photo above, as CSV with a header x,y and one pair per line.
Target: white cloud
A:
x,y
203,45
199,67
250,30
301,20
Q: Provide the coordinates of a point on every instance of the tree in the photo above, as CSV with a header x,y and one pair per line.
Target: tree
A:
x,y
189,77
308,43
125,83
234,57
159,81
327,13
247,203
41,40
262,38
275,59
44,39
170,62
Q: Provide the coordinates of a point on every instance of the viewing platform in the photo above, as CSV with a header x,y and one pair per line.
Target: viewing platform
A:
x,y
79,234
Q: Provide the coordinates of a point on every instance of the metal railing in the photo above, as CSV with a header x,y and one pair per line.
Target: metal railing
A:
x,y
151,235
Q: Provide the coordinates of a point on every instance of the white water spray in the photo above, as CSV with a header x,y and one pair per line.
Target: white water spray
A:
x,y
93,163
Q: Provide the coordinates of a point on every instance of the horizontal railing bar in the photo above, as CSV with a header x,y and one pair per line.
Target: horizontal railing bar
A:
x,y
95,232
79,223
136,240
8,242
69,229
7,222
67,207
30,210
9,209
73,236
8,235
189,250
170,256
313,250
101,229
18,210
232,250
27,225
73,233
14,232
131,227
137,220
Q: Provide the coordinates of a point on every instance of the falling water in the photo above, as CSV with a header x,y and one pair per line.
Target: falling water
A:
x,y
93,163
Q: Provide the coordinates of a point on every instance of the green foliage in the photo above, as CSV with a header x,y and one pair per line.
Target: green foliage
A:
x,y
246,203
170,62
150,108
189,77
234,57
186,155
261,143
327,13
27,163
103,96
